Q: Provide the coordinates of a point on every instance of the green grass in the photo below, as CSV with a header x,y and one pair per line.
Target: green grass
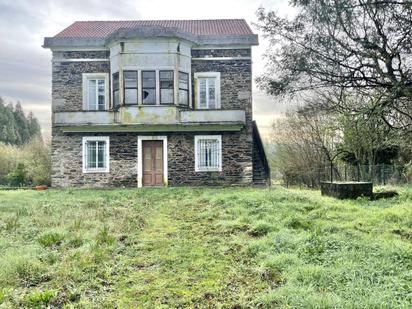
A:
x,y
204,248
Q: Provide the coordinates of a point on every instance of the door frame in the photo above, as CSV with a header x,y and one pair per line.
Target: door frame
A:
x,y
142,138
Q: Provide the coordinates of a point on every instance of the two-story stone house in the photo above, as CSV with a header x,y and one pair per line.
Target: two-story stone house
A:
x,y
154,103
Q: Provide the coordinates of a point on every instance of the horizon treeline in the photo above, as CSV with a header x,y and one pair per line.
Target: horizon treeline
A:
x,y
15,127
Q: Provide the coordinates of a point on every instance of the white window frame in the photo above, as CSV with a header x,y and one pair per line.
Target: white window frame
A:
x,y
139,70
197,158
85,83
189,90
217,87
84,152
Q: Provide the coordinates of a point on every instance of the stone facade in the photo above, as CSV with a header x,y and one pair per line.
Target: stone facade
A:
x,y
67,77
237,147
236,161
67,161
235,77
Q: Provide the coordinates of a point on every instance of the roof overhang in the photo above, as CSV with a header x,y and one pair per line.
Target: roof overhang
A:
x,y
124,34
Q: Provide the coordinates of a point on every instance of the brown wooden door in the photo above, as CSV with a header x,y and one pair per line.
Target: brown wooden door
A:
x,y
152,163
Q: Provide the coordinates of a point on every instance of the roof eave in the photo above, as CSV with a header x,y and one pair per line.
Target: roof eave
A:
x,y
55,42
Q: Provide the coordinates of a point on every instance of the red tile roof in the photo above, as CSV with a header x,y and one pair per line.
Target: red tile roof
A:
x,y
102,29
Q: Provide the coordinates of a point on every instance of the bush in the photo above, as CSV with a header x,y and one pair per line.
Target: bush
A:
x,y
37,159
17,177
29,164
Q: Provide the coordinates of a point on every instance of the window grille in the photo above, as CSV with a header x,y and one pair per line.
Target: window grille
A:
x,y
208,154
95,155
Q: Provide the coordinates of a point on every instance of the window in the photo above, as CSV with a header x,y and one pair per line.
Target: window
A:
x,y
149,87
95,91
208,153
208,90
183,88
130,87
166,87
116,97
95,154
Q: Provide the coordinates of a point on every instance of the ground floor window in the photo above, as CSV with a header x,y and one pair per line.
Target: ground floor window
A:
x,y
95,154
208,153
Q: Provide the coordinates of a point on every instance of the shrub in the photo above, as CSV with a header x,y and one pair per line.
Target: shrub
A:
x,y
37,159
29,164
17,177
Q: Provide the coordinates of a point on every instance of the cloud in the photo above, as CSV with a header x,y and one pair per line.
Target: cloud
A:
x,y
25,67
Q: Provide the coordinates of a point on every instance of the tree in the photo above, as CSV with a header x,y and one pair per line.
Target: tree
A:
x,y
8,129
33,125
360,47
15,127
305,143
21,124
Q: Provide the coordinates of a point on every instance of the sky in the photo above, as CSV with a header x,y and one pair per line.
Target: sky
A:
x,y
25,67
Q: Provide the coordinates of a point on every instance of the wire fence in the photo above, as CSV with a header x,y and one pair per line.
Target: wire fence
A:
x,y
380,174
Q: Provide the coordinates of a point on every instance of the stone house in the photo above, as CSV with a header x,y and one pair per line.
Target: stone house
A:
x,y
154,103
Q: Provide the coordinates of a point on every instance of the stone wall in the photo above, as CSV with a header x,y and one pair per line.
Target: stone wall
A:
x,y
235,77
236,89
67,77
235,52
236,93
67,168
236,161
67,161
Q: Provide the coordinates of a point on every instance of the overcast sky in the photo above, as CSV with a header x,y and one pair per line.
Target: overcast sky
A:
x,y
25,67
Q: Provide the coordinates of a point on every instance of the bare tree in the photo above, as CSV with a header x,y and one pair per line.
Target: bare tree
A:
x,y
360,47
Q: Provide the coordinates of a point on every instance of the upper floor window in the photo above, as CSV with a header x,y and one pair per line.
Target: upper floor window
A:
x,y
95,91
116,94
208,90
166,87
130,87
149,87
183,88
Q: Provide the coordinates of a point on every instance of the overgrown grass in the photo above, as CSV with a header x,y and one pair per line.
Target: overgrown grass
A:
x,y
196,247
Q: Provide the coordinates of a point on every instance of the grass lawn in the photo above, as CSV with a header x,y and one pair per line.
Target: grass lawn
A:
x,y
187,247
